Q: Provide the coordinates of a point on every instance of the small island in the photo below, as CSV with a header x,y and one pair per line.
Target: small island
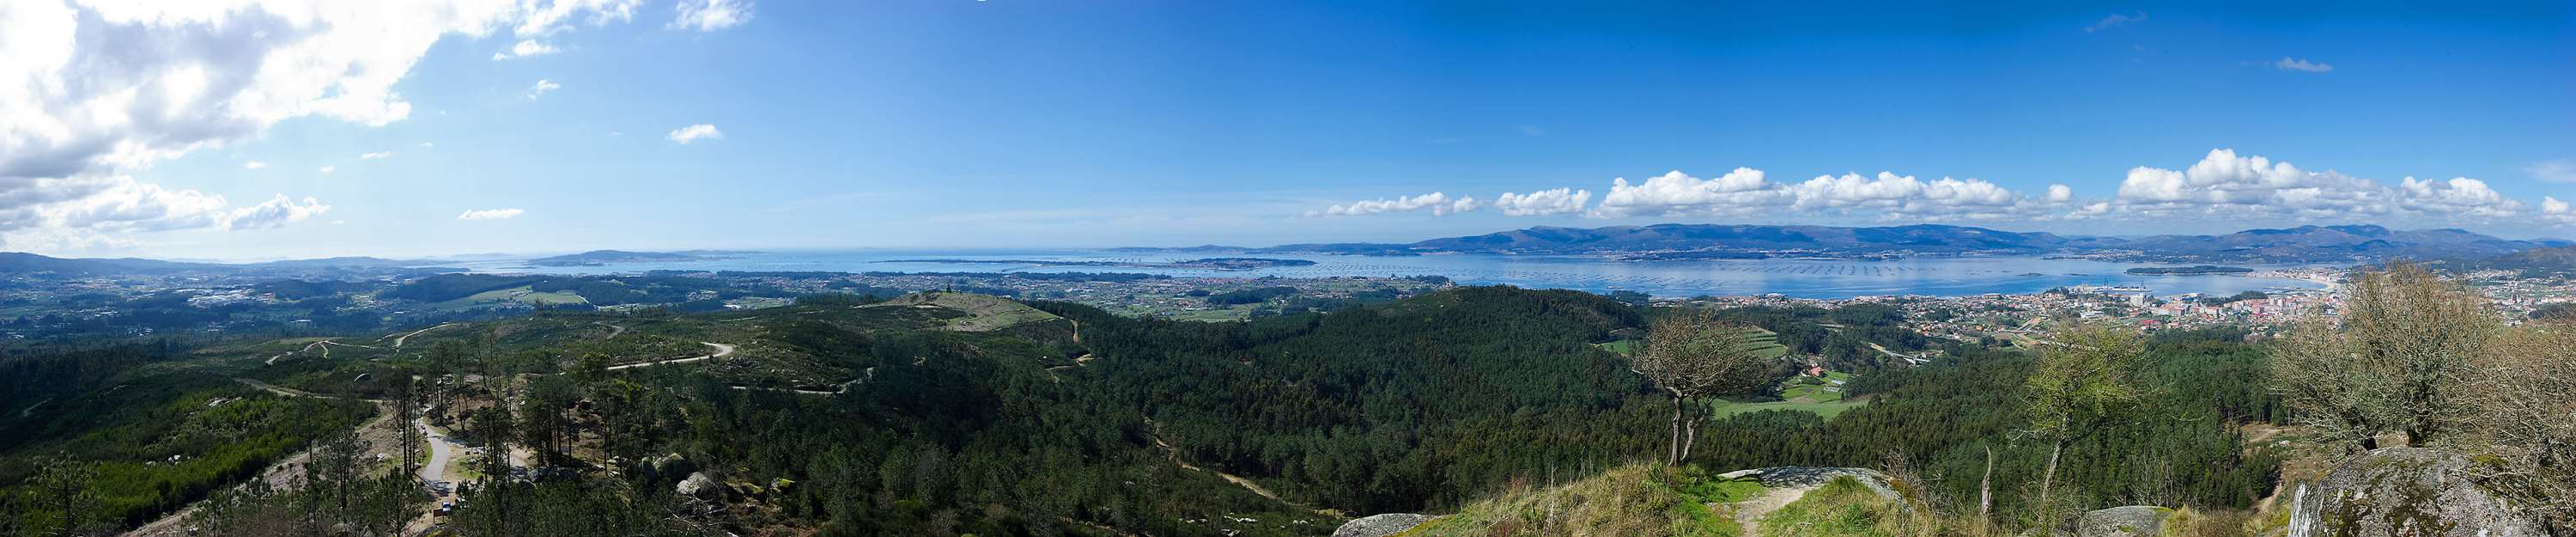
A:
x,y
2194,269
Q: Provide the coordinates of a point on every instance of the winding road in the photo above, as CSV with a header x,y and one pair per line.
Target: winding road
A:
x,y
721,351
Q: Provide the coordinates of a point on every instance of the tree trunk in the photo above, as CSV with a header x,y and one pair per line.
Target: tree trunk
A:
x,y
1986,490
1690,437
2047,479
1675,456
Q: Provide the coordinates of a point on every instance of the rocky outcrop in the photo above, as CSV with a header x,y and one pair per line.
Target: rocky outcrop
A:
x,y
1809,477
1381,525
2130,521
697,483
2405,492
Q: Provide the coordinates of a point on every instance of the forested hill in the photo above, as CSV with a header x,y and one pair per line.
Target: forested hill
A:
x,y
1418,404
946,414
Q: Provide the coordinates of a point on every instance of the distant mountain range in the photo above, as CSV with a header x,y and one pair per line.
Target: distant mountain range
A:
x,y
21,262
2304,244
2547,261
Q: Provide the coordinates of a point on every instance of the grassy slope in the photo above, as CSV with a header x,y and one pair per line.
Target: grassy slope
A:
x,y
1630,500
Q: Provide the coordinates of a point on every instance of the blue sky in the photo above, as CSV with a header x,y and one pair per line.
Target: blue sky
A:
x,y
1004,123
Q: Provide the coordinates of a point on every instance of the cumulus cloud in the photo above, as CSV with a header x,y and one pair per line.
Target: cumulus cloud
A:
x,y
712,15
1438,203
541,88
1902,197
2555,171
2555,211
1677,193
2294,64
693,133
376,155
489,214
93,91
1544,202
124,204
524,48
2115,19
253,165
277,211
2226,184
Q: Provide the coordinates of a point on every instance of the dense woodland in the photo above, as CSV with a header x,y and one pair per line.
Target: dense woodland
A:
x,y
1419,405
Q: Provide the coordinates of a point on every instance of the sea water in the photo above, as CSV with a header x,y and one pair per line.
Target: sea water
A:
x,y
1801,278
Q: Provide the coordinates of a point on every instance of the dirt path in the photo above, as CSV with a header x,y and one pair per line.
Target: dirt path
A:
x,y
398,340
31,409
1175,455
721,351
1750,512
613,330
280,390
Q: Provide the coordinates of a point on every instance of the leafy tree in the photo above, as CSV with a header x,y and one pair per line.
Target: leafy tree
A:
x,y
2082,382
1693,356
63,486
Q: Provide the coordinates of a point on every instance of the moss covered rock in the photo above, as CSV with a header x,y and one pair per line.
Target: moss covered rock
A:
x,y
2406,492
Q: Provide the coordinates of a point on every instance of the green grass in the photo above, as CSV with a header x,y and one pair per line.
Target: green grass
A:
x,y
1827,411
1842,508
1764,342
1630,500
521,294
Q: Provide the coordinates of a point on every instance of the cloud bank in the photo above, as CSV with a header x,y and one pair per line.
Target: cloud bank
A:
x,y
93,92
2222,185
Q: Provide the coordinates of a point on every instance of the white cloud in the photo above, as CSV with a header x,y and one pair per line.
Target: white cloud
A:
x,y
712,15
428,144
376,155
327,169
524,48
2115,19
693,133
2458,196
1544,202
489,214
2294,64
277,211
2060,194
1438,203
253,165
1676,193
2225,184
2555,171
92,91
1901,197
2552,210
541,88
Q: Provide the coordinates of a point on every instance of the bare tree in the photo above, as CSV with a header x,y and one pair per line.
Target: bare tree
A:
x,y
2527,419
1693,355
2396,363
2084,381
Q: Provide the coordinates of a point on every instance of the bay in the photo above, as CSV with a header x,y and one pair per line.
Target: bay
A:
x,y
1800,278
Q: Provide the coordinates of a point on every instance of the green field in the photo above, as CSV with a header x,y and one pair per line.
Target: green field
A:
x,y
1824,399
521,294
1766,343
1723,408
